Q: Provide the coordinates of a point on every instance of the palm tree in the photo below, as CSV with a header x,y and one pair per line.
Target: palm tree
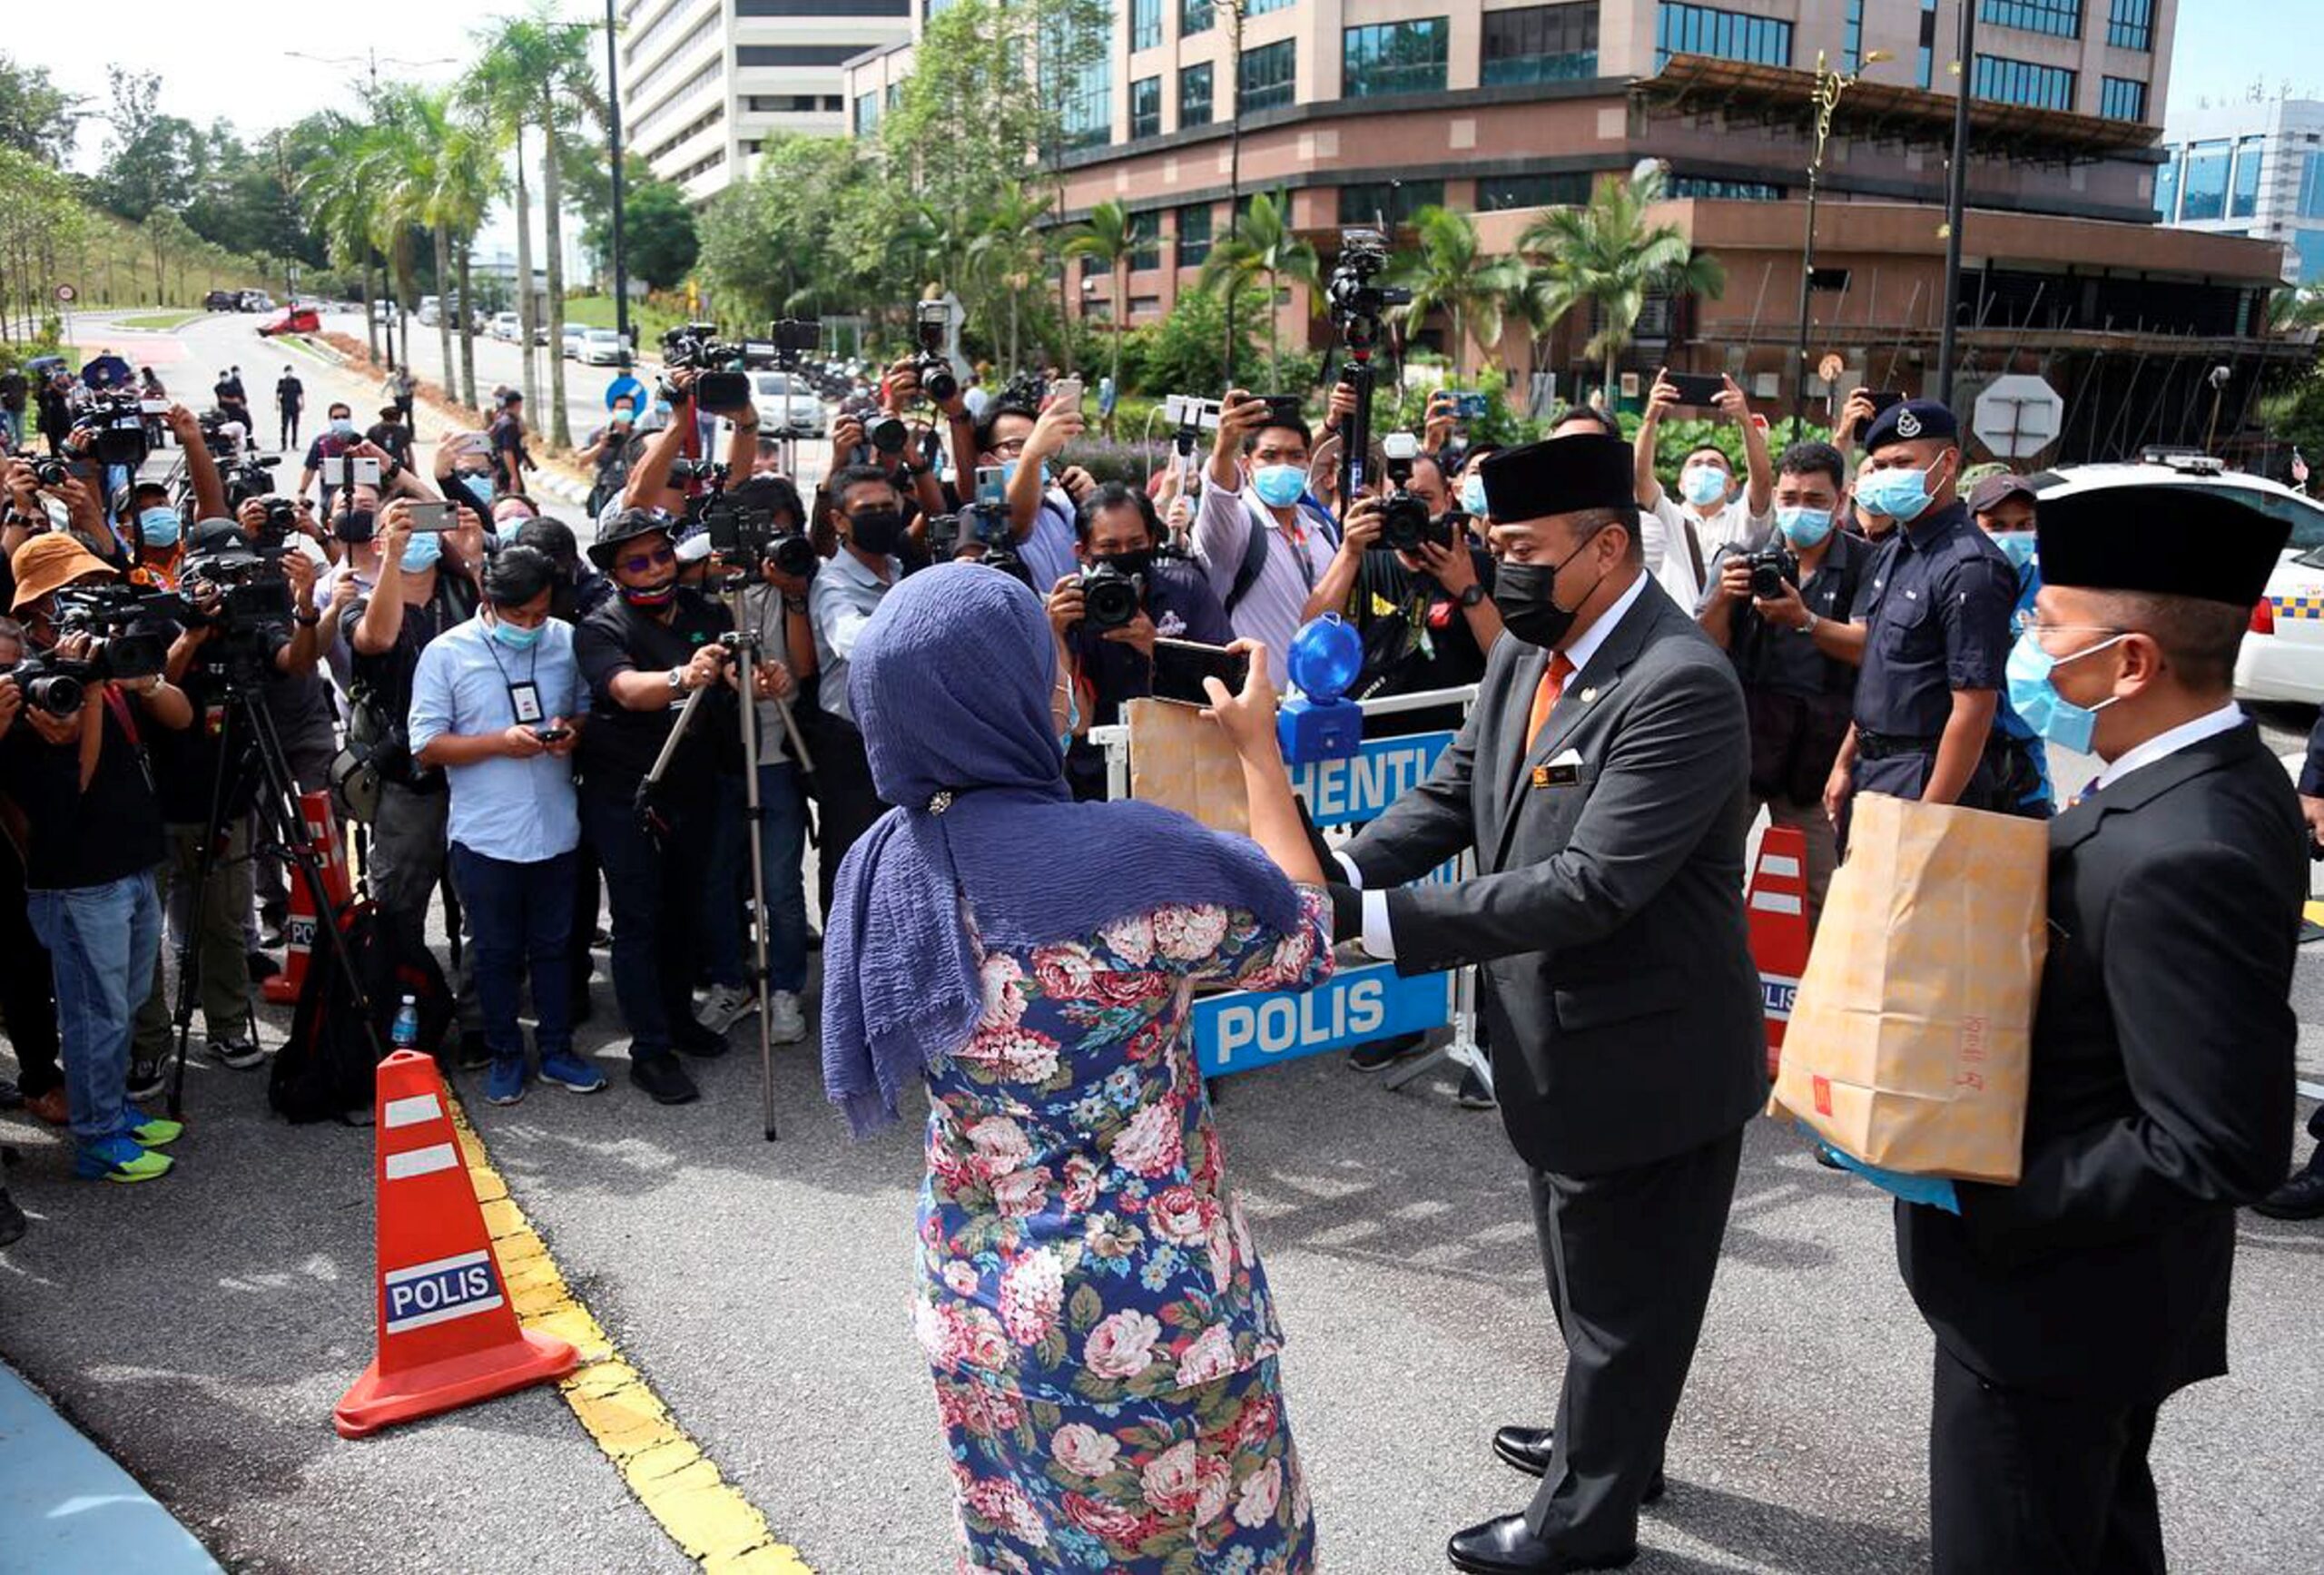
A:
x,y
500,95
339,203
1264,245
1447,275
1107,239
467,179
1607,255
1009,254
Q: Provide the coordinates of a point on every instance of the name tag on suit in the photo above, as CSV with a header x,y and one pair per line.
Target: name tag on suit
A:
x,y
1563,771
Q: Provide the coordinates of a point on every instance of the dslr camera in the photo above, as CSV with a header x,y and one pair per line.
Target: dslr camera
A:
x,y
724,384
745,531
1772,569
1357,297
1405,524
1110,599
937,378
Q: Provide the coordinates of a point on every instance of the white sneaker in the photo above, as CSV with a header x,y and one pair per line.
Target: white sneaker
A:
x,y
723,1007
786,1024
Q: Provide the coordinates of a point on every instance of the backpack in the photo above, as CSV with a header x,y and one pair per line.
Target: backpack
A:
x,y
325,1069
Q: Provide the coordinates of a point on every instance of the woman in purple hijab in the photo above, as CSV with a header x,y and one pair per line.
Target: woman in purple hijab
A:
x,y
1103,1340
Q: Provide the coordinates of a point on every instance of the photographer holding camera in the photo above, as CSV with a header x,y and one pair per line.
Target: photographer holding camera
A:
x,y
497,704
1111,611
27,988
1262,548
654,481
1787,607
214,644
643,654
72,760
1045,516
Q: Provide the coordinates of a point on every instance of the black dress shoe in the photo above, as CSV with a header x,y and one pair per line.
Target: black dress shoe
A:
x,y
1507,1546
692,1039
2300,1198
1380,1054
663,1079
1528,1449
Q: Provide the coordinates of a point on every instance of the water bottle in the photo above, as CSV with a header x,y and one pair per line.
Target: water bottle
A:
x,y
407,1029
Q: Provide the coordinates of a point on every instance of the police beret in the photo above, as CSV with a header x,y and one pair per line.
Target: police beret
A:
x,y
2160,538
1560,476
1912,419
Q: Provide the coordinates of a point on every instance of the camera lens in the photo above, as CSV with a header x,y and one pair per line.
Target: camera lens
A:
x,y
57,694
1403,522
795,556
1109,598
887,435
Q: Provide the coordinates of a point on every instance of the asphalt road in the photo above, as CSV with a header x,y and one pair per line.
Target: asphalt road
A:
x,y
201,1328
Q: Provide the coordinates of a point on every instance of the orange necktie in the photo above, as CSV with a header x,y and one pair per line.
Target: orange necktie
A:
x,y
1545,698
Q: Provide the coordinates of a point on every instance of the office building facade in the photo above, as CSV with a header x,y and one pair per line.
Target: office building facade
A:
x,y
705,82
2250,168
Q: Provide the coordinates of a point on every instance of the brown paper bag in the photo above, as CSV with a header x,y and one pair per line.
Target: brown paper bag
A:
x,y
1178,760
1909,1039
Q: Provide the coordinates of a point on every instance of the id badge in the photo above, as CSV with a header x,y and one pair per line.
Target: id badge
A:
x,y
526,699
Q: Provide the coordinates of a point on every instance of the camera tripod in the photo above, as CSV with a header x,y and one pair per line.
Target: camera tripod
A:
x,y
282,827
743,645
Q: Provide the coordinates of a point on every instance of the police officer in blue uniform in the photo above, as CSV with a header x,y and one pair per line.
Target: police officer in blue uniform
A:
x,y
1939,629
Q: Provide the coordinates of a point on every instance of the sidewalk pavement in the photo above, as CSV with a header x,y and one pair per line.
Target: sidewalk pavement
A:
x,y
66,1507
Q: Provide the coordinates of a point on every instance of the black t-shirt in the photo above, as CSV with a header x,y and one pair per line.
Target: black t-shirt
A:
x,y
185,764
12,390
77,839
385,679
1416,636
393,437
619,746
289,393
1787,661
508,439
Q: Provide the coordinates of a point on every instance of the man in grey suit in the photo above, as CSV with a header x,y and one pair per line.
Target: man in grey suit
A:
x,y
1603,780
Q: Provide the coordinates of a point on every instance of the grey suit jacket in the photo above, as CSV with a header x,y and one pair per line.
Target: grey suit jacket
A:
x,y
1608,910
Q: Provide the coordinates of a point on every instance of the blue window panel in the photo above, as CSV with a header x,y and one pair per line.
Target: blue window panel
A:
x,y
1683,29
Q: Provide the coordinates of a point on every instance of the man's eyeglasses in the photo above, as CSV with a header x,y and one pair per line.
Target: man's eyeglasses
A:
x,y
639,563
1009,447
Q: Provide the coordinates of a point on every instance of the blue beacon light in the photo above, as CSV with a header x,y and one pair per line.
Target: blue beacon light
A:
x,y
1317,723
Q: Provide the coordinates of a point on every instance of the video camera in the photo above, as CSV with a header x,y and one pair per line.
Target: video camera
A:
x,y
1405,524
724,384
1772,568
1357,297
931,320
115,420
248,478
983,526
743,531
58,685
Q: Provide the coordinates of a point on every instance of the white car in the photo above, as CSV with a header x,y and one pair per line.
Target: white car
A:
x,y
2282,656
786,405
600,346
573,334
504,326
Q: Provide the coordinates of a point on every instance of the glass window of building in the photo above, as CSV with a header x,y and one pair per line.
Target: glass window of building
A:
x,y
1705,186
1195,17
1852,37
1496,191
1193,235
1270,77
867,113
2130,23
2008,81
2244,203
1144,24
1922,69
1394,57
1371,201
2121,98
1681,29
1146,107
1086,115
2312,187
2166,187
1261,7
2058,18
2308,245
1194,96
1541,43
1146,239
2204,186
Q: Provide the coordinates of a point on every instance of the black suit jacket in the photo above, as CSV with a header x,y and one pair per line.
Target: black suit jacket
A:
x,y
1608,910
2161,1091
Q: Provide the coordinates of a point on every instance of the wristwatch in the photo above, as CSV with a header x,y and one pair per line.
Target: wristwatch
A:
x,y
1471,596
306,620
677,680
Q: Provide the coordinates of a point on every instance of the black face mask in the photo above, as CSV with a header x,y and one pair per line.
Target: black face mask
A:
x,y
878,531
1525,595
1138,562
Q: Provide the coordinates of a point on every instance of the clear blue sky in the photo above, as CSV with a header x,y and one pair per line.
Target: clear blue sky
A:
x,y
2224,45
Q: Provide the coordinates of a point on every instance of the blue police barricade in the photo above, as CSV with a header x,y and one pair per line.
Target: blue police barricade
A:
x,y
1240,1030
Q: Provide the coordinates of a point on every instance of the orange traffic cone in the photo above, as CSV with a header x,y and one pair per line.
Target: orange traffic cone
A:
x,y
447,1335
1778,905
299,925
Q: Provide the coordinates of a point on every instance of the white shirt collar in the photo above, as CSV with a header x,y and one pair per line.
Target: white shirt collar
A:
x,y
1582,650
2163,745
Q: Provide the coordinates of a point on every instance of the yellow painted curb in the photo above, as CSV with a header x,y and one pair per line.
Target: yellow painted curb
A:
x,y
703,1512
2314,912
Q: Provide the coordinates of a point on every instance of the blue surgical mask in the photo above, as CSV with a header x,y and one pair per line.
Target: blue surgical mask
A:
x,y
158,527
1901,494
420,553
1009,474
1703,484
1279,485
343,427
1472,496
2017,546
514,637
2036,700
1802,527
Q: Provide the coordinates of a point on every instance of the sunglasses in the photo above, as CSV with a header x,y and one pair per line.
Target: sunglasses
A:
x,y
638,563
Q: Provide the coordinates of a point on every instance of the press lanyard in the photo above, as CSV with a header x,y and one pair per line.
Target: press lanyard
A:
x,y
524,699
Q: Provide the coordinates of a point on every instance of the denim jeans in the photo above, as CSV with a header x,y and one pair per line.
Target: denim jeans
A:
x,y
102,941
656,892
521,919
783,851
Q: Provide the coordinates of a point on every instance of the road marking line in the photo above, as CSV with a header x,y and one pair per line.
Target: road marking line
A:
x,y
667,1472
2313,1090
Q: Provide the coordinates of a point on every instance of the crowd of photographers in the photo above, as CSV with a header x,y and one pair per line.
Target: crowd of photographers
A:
x,y
534,719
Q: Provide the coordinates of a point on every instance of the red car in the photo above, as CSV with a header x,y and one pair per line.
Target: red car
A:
x,y
291,319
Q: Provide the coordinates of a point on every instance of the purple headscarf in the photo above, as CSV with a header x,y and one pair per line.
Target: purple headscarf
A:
x,y
950,684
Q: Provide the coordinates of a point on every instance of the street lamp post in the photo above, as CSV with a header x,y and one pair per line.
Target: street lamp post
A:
x,y
1957,200
613,142
1233,12
1830,87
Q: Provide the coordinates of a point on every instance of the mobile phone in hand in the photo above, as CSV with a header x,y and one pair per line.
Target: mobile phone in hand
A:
x,y
1181,665
552,735
1698,390
1882,399
428,518
1066,391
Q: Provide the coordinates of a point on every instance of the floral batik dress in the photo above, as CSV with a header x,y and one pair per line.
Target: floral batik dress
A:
x,y
1100,1328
